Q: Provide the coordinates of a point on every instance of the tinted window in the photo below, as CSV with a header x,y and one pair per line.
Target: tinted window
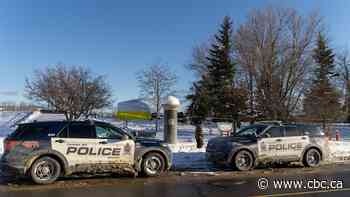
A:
x,y
39,131
312,130
274,132
64,132
251,131
106,132
81,130
292,131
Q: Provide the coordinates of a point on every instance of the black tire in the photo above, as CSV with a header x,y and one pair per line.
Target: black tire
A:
x,y
312,158
243,161
153,164
45,170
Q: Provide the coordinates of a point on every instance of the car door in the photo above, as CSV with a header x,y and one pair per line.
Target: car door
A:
x,y
269,143
283,143
116,146
296,141
78,143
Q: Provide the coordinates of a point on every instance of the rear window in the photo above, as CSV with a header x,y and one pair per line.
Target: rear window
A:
x,y
81,130
40,131
292,131
275,132
312,130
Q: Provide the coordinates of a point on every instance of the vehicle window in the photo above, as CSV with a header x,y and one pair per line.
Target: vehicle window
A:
x,y
247,132
63,133
36,131
274,132
105,132
312,131
292,131
80,130
251,131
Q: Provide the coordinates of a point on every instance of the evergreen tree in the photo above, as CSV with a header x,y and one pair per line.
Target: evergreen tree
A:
x,y
324,59
215,93
221,68
322,99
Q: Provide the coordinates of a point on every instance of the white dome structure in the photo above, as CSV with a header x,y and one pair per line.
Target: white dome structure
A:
x,y
172,102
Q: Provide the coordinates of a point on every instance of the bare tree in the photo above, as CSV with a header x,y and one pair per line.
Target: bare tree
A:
x,y
273,48
343,70
199,62
156,83
73,90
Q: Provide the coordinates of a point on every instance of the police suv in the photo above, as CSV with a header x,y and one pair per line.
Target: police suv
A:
x,y
266,143
47,150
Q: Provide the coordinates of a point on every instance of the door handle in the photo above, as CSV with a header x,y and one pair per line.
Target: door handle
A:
x,y
303,138
278,140
59,141
103,142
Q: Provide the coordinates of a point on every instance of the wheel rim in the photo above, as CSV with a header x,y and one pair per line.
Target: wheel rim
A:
x,y
243,161
313,157
153,165
45,170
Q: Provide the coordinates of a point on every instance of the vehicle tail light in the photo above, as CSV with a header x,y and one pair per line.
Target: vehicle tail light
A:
x,y
9,145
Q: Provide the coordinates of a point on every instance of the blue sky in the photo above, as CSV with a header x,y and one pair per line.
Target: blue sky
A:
x,y
118,38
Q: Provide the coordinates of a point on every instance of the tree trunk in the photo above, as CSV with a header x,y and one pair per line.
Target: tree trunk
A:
x,y
199,135
234,126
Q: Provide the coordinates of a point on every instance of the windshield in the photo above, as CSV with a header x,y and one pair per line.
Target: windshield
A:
x,y
251,131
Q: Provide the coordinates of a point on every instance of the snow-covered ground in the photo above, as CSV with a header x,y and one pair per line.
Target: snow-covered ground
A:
x,y
339,151
185,132
186,156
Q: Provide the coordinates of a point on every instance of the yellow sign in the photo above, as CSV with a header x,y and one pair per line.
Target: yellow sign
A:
x,y
133,110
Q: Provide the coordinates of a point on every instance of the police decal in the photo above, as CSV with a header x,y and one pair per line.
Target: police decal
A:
x,y
84,150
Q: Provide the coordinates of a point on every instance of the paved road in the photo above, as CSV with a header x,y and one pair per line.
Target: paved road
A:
x,y
177,184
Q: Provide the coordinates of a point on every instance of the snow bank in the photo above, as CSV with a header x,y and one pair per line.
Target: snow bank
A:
x,y
186,156
339,151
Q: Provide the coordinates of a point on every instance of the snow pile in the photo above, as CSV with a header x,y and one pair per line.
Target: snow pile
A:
x,y
186,156
339,151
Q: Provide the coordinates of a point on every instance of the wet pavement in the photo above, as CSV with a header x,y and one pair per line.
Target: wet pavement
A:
x,y
193,184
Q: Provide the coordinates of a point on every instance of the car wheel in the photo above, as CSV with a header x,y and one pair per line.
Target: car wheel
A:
x,y
243,161
153,164
45,170
312,158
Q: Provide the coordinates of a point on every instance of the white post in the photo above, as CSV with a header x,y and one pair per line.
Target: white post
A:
x,y
170,119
